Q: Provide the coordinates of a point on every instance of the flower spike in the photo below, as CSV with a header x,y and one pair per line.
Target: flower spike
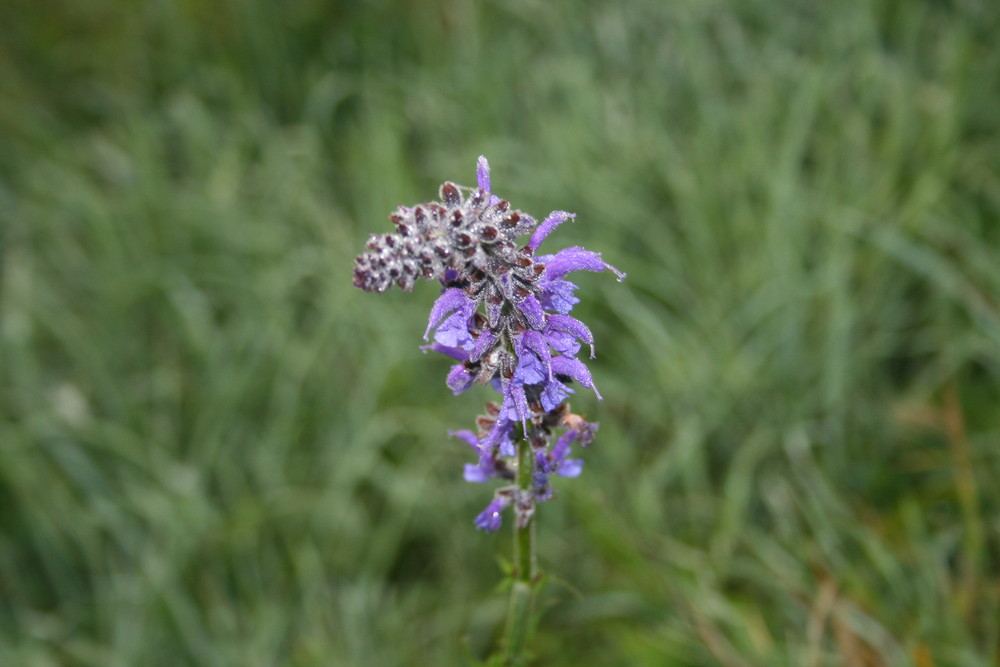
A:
x,y
503,319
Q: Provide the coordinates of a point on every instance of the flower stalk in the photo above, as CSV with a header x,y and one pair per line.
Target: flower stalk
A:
x,y
503,318
525,577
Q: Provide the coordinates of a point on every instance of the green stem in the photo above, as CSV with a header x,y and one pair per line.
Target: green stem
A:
x,y
525,575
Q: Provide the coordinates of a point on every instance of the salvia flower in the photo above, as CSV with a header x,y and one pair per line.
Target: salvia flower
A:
x,y
503,316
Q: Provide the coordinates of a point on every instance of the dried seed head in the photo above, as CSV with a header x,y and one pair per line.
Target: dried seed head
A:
x,y
450,194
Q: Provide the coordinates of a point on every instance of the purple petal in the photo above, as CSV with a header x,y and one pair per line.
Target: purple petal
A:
x,y
543,466
554,393
506,446
454,331
483,345
562,342
489,519
459,379
475,474
575,369
483,174
449,300
533,358
483,471
577,259
557,295
534,342
570,259
499,437
570,468
571,325
515,403
532,312
530,370
468,436
456,353
555,219
561,449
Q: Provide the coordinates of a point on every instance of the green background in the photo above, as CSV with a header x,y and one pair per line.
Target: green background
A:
x,y
215,451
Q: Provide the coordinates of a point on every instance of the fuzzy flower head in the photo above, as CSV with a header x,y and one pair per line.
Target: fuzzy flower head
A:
x,y
459,239
503,316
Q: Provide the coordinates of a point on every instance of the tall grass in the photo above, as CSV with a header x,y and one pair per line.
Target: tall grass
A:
x,y
214,451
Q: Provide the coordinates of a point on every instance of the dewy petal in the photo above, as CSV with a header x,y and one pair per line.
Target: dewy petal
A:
x,y
515,403
489,519
532,311
533,358
453,331
533,342
483,174
450,299
570,325
562,342
530,369
459,379
499,437
555,219
557,295
553,394
483,345
575,369
577,259
493,313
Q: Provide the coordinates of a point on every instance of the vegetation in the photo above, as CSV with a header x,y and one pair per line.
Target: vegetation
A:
x,y
216,451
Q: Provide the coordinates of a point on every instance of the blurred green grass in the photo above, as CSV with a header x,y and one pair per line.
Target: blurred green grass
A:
x,y
215,451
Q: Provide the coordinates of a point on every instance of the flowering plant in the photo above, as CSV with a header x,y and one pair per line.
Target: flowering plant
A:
x,y
503,317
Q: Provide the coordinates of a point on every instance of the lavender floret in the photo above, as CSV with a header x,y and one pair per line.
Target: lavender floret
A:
x,y
503,315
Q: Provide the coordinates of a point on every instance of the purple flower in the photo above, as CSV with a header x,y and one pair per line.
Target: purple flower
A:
x,y
456,353
563,332
498,438
576,258
553,394
533,358
459,379
503,316
548,225
558,463
487,468
533,312
450,315
484,344
575,369
515,402
490,518
557,295
483,174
